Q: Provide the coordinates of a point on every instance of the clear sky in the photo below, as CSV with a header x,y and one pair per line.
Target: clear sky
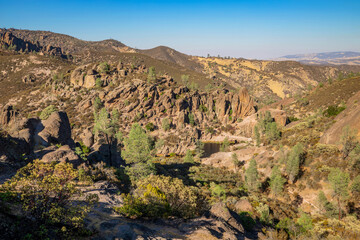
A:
x,y
249,29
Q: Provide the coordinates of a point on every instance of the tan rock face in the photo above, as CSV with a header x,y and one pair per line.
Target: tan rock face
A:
x,y
56,129
349,117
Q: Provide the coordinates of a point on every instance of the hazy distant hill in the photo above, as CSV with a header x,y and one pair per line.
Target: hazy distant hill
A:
x,y
336,58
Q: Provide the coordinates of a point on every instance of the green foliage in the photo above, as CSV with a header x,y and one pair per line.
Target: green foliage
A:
x,y
46,191
272,132
103,67
140,170
203,108
185,79
348,141
189,157
294,161
217,191
333,110
235,161
325,206
199,149
166,124
252,176
151,75
355,186
161,196
276,181
339,182
98,83
106,127
193,86
208,87
150,126
191,119
225,145
264,213
45,114
137,146
266,127
97,104
305,222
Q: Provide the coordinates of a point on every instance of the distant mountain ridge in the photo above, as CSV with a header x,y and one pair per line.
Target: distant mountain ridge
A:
x,y
326,58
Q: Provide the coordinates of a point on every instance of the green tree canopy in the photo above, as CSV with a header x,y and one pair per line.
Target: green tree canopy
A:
x,y
137,146
252,176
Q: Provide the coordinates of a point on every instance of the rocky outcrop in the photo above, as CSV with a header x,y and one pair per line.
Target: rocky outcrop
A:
x,y
7,115
62,154
56,129
11,42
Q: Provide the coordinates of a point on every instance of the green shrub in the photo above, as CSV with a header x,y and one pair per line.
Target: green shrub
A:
x,y
98,83
46,192
161,196
166,124
45,114
103,67
150,126
333,111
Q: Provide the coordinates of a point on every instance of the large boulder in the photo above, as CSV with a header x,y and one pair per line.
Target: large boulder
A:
x,y
56,129
62,154
220,211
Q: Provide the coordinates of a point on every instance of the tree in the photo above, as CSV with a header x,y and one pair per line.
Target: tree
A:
x,y
151,75
137,147
272,131
339,181
185,79
46,192
235,161
217,191
348,140
252,176
106,126
166,124
294,160
305,222
276,181
45,114
225,145
189,157
325,205
191,119
355,186
199,148
97,104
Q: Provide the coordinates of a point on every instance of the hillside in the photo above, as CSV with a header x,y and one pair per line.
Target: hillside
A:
x,y
328,58
101,141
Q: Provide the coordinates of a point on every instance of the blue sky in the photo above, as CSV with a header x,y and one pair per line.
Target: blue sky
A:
x,y
249,29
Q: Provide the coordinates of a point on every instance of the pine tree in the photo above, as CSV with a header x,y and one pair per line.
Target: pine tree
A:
x,y
294,160
189,157
339,181
106,126
199,149
276,181
235,161
252,176
137,147
151,75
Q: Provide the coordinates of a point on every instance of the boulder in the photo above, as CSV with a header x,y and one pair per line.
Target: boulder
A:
x,y
220,211
243,205
56,129
62,154
87,138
